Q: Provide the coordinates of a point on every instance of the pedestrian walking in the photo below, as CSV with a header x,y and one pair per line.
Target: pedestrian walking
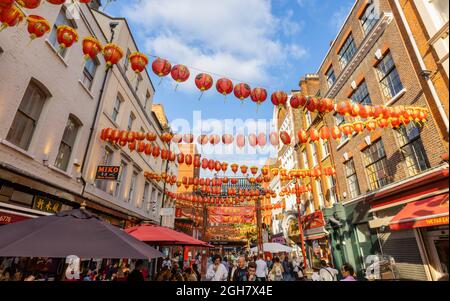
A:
x,y
252,276
261,268
217,271
240,274
297,268
287,274
276,274
327,273
348,272
189,275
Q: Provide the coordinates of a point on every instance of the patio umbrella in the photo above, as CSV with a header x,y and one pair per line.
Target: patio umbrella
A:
x,y
76,232
272,247
162,236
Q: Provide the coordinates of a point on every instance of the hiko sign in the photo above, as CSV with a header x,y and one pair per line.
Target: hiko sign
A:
x,y
107,173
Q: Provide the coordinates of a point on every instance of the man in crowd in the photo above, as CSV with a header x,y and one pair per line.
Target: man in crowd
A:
x,y
241,272
217,271
327,273
261,268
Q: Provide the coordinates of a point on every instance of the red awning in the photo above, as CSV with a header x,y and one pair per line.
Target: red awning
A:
x,y
162,236
428,212
10,217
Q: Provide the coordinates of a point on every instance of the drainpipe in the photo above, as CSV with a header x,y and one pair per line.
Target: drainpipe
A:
x,y
112,26
422,66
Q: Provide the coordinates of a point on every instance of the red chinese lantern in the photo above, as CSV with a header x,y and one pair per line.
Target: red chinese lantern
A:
x,y
6,3
141,147
423,115
244,169
314,135
344,108
161,67
10,16
383,122
218,166
252,140
132,146
302,136
112,54
258,95
205,163
66,36
138,62
312,104
347,129
298,100
279,99
285,138
395,122
203,82
148,149
203,139
37,26
177,138
358,126
224,166
180,73
227,139
180,158
224,86
274,139
131,137
322,106
188,159
156,151
377,111
371,125
151,137
211,165
188,138
214,139
242,91
91,47
254,170
240,140
197,162
234,168
325,133
262,140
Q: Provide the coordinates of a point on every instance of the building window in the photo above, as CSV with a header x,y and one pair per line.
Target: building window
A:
x,y
144,195
361,94
376,165
89,72
126,64
320,193
138,82
148,98
60,20
389,78
121,179
347,51
369,18
332,189
132,190
130,122
352,178
331,77
27,117
149,202
412,149
67,144
105,161
116,108
308,119
314,154
305,160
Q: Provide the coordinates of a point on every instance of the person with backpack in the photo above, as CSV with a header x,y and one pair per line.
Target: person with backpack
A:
x,y
287,268
276,274
327,273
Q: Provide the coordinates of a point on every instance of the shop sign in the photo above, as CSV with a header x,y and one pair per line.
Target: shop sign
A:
x,y
107,173
279,239
312,221
7,218
46,204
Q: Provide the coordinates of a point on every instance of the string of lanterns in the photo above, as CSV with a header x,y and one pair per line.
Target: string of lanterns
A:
x,y
11,15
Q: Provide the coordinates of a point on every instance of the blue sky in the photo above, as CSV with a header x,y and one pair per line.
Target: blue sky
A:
x,y
261,42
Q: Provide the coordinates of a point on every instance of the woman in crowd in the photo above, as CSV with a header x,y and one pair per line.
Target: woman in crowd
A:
x,y
276,274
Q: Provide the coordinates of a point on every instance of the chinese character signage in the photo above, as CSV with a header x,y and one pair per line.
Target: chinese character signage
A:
x,y
46,204
107,173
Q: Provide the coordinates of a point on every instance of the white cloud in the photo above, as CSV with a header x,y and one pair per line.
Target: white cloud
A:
x,y
233,37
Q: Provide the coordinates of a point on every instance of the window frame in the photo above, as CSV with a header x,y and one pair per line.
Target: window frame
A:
x,y
116,108
363,90
387,75
353,175
374,163
344,50
329,75
87,74
365,18
52,39
76,128
412,143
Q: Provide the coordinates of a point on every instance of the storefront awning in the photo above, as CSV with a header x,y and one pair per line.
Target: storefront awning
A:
x,y
428,212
